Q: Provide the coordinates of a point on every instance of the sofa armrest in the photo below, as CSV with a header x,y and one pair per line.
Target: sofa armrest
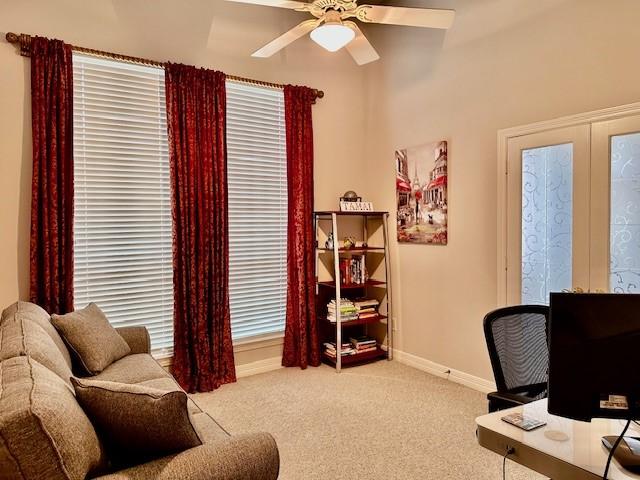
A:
x,y
240,457
137,338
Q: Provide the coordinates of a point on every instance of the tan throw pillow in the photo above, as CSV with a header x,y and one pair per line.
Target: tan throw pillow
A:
x,y
137,423
91,338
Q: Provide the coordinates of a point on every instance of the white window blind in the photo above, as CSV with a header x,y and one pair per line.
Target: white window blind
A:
x,y
122,222
257,183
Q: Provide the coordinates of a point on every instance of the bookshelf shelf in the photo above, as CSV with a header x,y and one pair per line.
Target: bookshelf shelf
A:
x,y
359,321
344,292
329,213
356,250
360,358
350,286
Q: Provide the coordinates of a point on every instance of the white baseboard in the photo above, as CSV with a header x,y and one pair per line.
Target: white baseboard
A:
x,y
260,366
442,371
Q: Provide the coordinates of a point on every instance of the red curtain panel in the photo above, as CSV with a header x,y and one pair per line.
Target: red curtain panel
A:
x,y
301,346
51,242
196,114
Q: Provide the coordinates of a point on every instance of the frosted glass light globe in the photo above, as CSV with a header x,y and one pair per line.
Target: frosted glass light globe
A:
x,y
332,36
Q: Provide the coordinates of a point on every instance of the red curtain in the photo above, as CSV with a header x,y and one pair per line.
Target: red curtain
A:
x,y
301,346
196,113
51,243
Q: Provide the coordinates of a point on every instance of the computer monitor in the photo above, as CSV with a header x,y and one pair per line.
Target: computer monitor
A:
x,y
594,356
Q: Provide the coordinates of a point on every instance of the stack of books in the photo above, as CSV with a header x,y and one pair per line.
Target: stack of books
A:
x,y
353,270
347,349
364,344
348,311
367,308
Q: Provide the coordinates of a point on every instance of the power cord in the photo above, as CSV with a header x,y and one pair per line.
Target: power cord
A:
x,y
613,449
510,451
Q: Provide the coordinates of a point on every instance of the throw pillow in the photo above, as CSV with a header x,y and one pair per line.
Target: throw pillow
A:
x,y
91,338
137,423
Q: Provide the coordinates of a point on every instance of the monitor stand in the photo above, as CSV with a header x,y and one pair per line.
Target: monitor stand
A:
x,y
628,452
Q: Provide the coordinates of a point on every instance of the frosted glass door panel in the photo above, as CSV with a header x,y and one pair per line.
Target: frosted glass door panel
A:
x,y
547,215
625,214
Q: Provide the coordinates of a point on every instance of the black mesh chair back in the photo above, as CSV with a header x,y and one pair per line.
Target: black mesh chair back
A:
x,y
517,342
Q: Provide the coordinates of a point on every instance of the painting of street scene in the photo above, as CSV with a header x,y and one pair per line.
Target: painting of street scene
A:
x,y
421,193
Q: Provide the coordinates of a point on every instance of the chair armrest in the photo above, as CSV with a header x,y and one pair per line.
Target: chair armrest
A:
x,y
137,338
240,457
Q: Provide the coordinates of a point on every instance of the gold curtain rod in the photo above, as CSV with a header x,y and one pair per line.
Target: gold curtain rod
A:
x,y
23,41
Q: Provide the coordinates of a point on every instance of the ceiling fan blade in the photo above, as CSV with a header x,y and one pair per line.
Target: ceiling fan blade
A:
x,y
273,3
413,17
286,38
360,49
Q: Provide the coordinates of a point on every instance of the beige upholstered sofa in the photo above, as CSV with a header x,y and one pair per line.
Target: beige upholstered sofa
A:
x,y
44,434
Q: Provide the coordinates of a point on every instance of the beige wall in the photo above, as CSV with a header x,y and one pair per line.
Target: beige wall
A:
x,y
504,63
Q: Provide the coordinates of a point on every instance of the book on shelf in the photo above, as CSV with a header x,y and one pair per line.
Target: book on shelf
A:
x,y
352,310
365,350
363,343
348,310
366,310
353,270
364,303
345,350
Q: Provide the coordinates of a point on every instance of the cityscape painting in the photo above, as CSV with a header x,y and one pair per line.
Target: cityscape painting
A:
x,y
421,193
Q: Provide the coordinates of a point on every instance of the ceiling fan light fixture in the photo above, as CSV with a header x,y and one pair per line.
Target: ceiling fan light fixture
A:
x,y
332,36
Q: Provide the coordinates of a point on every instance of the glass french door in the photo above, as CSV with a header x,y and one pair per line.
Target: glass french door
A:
x,y
573,210
615,206
547,213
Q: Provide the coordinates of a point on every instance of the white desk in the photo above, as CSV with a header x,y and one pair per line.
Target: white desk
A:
x,y
580,457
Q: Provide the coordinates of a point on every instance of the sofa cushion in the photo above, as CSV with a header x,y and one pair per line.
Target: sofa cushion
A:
x,y
91,338
44,433
135,368
137,423
168,384
35,313
24,337
208,429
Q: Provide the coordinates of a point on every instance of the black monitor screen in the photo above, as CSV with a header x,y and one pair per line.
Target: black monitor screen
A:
x,y
594,355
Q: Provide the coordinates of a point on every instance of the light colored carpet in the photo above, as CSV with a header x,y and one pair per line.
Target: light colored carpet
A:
x,y
379,421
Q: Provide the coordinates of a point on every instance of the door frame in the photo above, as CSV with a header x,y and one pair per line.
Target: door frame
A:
x,y
504,136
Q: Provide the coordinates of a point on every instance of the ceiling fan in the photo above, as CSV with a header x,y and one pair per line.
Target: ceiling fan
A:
x,y
332,30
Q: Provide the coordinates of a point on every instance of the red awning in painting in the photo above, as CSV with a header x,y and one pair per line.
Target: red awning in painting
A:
x,y
402,186
440,181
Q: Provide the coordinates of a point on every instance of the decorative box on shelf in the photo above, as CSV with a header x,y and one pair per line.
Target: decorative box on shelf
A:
x,y
356,207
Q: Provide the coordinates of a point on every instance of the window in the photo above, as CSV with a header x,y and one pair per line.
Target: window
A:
x,y
257,182
122,219
122,243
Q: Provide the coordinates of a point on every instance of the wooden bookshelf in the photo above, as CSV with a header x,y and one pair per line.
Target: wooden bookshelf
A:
x,y
375,256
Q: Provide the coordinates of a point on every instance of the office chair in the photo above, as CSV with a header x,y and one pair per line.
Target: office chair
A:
x,y
517,342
